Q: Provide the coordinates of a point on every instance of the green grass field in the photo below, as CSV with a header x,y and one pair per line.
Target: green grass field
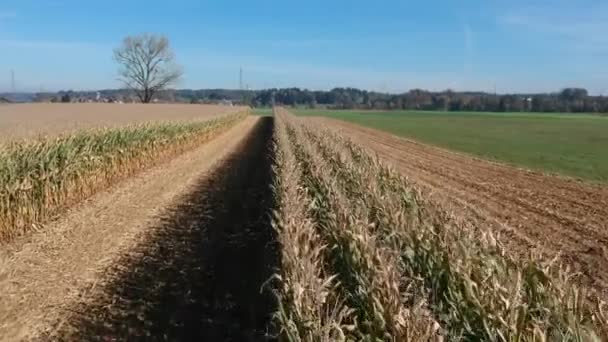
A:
x,y
262,111
568,144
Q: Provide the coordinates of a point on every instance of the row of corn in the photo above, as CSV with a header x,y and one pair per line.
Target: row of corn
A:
x,y
40,178
365,257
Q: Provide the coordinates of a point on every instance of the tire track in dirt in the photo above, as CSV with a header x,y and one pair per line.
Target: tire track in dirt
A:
x,y
199,274
44,273
491,192
553,214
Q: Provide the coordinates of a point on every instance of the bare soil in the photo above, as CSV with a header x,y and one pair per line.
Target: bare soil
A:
x,y
530,210
179,252
19,121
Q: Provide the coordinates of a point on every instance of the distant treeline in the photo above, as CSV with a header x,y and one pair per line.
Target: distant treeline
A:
x,y
574,100
568,100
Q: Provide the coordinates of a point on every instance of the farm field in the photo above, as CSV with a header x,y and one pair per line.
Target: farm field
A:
x,y
531,210
121,238
382,235
567,144
262,111
31,120
259,227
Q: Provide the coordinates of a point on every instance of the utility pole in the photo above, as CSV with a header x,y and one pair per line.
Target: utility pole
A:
x,y
241,78
244,97
13,88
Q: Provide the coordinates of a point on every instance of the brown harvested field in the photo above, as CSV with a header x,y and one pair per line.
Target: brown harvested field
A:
x,y
530,210
155,256
31,120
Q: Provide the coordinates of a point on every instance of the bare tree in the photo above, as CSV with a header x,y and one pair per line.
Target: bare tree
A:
x,y
147,65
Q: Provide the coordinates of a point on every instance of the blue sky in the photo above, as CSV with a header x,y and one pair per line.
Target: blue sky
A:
x,y
381,45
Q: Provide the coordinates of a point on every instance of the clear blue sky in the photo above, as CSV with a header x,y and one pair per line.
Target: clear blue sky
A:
x,y
392,46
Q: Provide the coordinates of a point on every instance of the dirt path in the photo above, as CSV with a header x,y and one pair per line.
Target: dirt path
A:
x,y
139,260
530,209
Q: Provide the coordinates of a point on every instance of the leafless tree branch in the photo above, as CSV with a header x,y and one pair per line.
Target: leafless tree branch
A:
x,y
147,65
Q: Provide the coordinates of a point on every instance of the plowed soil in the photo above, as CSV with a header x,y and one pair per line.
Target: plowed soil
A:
x,y
180,252
530,210
30,120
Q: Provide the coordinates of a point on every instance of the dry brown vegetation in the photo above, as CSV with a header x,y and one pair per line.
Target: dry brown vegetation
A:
x,y
358,251
40,178
397,267
198,273
31,120
529,211
80,267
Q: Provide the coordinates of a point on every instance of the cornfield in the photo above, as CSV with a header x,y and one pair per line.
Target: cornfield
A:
x,y
358,252
40,179
366,257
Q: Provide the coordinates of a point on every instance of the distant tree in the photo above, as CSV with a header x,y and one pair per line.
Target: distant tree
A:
x,y
65,98
441,102
455,105
573,94
147,65
216,96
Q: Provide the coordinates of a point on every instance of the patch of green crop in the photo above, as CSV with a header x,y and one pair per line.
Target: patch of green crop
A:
x,y
574,145
262,111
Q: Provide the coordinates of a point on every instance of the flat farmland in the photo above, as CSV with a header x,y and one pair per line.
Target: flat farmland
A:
x,y
568,144
275,227
530,210
31,120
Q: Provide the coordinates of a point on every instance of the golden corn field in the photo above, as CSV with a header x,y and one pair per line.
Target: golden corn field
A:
x,y
254,228
40,178
365,257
